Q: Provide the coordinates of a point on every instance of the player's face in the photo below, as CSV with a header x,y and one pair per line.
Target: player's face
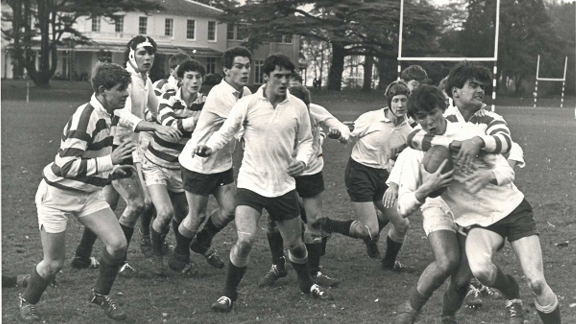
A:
x,y
115,97
432,122
471,94
277,81
294,83
144,59
239,74
398,105
413,84
191,82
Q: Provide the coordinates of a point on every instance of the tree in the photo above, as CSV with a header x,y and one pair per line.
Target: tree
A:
x,y
318,54
351,27
49,23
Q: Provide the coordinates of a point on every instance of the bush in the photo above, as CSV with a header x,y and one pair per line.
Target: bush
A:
x,y
212,79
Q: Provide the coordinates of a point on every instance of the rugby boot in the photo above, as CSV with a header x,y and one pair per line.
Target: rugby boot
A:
x,y
397,267
109,306
223,305
181,263
324,280
209,254
372,248
80,262
472,298
146,246
28,312
276,272
127,270
515,311
405,314
318,292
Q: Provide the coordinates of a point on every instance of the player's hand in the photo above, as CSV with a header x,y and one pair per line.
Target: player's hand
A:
x,y
123,171
455,146
202,150
435,180
469,150
334,133
296,168
476,178
122,152
390,196
171,132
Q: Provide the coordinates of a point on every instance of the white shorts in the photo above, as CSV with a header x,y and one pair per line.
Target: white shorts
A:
x,y
143,141
437,218
54,205
154,174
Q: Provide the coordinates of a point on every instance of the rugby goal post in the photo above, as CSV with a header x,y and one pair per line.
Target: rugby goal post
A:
x,y
538,78
454,59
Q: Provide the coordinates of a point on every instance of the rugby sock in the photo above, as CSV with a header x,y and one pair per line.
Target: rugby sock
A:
x,y
417,300
453,299
87,241
276,246
157,240
549,314
206,234
109,267
146,220
324,243
300,265
182,242
36,287
506,284
233,278
9,281
392,249
314,251
337,226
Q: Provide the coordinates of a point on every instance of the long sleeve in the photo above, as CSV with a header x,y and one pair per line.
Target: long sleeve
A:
x,y
305,147
396,172
409,183
231,126
422,141
497,139
326,119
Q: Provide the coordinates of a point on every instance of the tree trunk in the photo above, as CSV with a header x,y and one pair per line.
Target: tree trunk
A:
x,y
336,66
17,53
368,64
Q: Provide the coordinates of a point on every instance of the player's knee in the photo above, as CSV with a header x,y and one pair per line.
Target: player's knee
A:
x,y
402,227
243,247
359,230
297,249
272,227
136,205
447,264
117,246
164,214
537,285
484,272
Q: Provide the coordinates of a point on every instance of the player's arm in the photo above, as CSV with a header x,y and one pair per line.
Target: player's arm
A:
x,y
500,173
226,133
336,129
391,194
305,145
153,101
516,156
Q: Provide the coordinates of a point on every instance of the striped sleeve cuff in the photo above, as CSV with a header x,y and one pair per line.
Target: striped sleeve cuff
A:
x,y
104,163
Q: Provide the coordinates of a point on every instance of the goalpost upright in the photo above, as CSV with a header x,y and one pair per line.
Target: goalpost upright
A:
x,y
454,59
538,78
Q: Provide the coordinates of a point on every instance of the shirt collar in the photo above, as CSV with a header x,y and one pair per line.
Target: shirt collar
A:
x,y
132,71
229,87
260,93
384,119
98,105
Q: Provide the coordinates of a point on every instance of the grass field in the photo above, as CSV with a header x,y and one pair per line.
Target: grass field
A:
x,y
30,137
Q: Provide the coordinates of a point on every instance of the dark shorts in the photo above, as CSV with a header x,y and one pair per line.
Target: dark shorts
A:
x,y
364,183
518,224
280,208
310,185
205,184
128,161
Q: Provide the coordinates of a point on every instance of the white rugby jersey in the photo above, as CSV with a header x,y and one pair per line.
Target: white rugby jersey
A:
x,y
376,135
173,111
218,104
489,205
84,160
274,137
321,117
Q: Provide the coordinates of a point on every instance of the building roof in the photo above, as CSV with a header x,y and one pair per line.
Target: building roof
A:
x,y
189,8
165,49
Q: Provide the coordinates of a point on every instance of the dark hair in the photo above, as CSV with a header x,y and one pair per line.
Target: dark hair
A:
x,y
109,75
396,88
465,71
277,59
176,59
133,43
425,98
190,65
414,72
231,53
301,93
296,76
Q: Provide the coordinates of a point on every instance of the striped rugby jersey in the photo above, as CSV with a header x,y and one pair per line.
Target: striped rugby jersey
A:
x,y
172,111
84,161
496,135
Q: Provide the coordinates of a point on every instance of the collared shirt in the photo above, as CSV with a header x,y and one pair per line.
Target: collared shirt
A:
x,y
495,131
84,160
376,137
218,104
274,138
485,207
173,111
321,117
163,85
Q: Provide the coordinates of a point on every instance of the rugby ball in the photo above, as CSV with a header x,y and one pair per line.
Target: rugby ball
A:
x,y
432,161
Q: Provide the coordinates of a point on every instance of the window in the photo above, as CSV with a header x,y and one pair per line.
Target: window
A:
x,y
242,32
119,24
190,24
168,27
258,73
230,32
143,25
96,24
210,65
211,30
287,39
